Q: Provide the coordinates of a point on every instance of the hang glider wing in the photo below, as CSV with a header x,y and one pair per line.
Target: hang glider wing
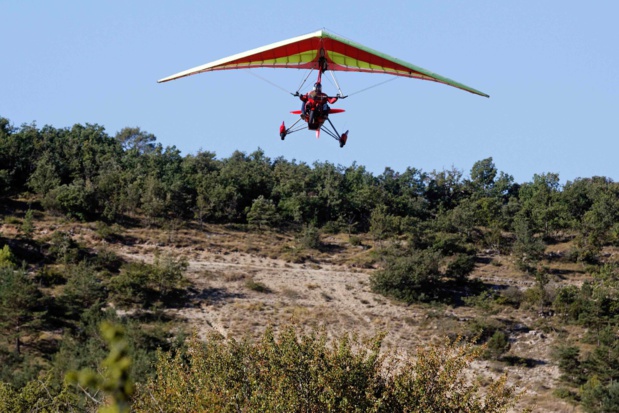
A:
x,y
313,51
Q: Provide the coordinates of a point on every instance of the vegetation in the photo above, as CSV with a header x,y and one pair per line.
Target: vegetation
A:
x,y
306,373
424,231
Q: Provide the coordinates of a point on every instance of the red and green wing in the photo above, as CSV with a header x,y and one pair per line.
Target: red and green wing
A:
x,y
304,52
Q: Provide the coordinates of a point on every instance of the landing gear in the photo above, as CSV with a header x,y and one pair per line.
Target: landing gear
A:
x,y
312,121
317,122
343,139
282,131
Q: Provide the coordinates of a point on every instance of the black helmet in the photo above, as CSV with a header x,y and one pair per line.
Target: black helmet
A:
x,y
318,86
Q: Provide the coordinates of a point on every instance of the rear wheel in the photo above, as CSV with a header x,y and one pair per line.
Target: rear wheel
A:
x,y
343,139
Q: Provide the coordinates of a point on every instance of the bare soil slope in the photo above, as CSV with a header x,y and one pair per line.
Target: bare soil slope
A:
x,y
243,282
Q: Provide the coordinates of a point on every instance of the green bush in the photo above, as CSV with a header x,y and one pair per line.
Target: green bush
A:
x,y
262,214
49,276
7,259
511,296
108,232
63,248
599,398
75,200
485,301
355,240
497,345
310,237
311,373
144,284
460,266
410,278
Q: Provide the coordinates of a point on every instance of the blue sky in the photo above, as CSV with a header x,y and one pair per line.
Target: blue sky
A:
x,y
550,67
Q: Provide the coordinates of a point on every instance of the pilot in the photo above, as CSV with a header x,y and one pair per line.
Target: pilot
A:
x,y
319,99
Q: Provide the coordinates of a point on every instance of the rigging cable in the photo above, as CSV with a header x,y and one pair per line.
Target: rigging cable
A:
x,y
305,80
376,85
265,79
308,75
339,90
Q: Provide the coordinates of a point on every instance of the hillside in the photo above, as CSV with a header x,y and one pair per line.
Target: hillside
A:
x,y
100,229
242,281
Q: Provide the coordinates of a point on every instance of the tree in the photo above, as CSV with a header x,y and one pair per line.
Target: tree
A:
x,y
17,147
141,283
528,248
444,189
27,226
75,200
596,225
404,193
382,225
600,398
153,199
83,290
168,274
541,203
435,380
215,201
249,176
7,259
19,305
483,174
262,213
361,195
45,176
325,183
135,139
116,381
489,191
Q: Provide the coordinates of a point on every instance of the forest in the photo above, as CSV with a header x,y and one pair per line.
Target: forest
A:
x,y
427,230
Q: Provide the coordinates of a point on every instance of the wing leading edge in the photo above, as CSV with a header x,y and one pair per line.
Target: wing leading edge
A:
x,y
305,52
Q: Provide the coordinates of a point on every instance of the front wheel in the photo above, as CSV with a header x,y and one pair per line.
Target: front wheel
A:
x,y
312,117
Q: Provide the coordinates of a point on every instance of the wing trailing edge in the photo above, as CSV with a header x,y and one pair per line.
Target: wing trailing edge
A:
x,y
325,50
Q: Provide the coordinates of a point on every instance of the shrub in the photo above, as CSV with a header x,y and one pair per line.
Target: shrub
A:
x,y
63,248
355,240
460,266
409,278
27,226
512,296
7,259
310,373
263,213
107,232
142,283
497,345
75,200
484,301
310,237
49,277
257,286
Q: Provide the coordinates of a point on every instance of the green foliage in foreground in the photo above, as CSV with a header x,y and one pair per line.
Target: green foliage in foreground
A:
x,y
116,381
306,373
292,372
